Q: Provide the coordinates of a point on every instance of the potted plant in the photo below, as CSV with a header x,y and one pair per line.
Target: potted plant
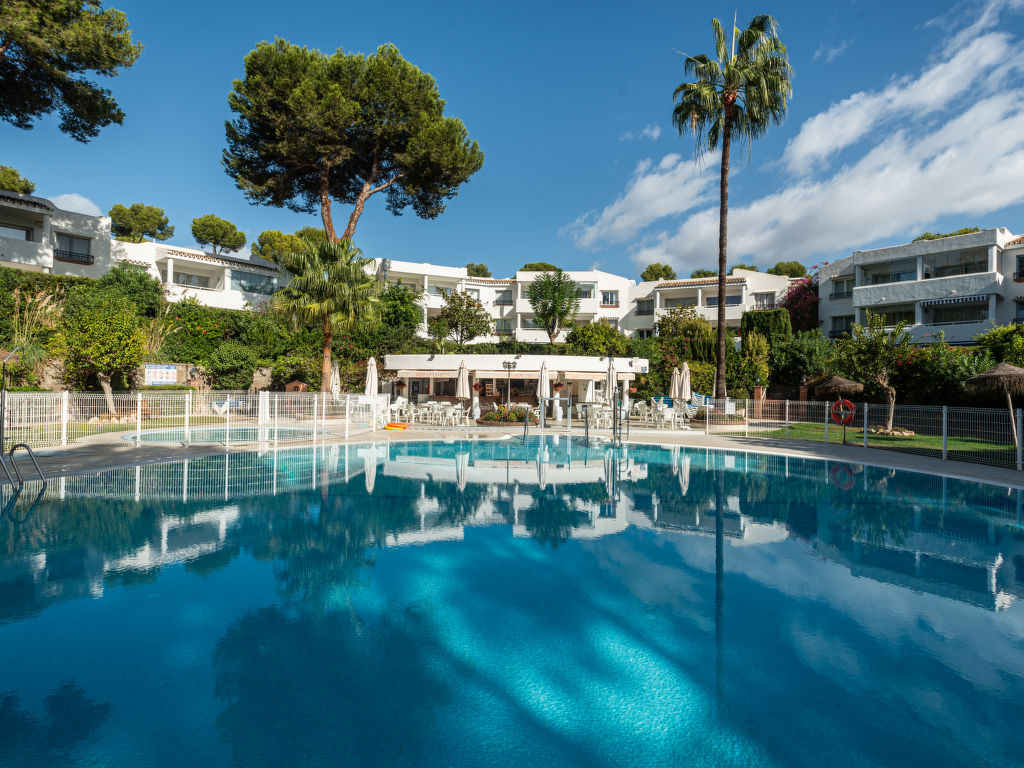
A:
x,y
399,385
632,390
558,385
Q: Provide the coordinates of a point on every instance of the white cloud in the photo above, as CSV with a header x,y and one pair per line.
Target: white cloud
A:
x,y
830,53
985,61
650,131
72,201
948,141
673,186
969,165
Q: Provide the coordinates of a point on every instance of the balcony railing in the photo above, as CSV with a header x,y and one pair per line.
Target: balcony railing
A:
x,y
956,322
1018,275
840,295
765,305
73,256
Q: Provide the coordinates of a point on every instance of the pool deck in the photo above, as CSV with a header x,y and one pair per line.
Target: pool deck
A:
x,y
104,454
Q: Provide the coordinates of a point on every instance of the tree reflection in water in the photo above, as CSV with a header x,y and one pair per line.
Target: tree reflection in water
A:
x,y
70,717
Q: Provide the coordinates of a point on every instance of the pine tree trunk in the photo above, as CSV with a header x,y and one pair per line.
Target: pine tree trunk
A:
x,y
723,228
325,208
325,369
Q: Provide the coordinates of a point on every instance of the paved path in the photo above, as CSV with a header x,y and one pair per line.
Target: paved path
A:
x,y
89,458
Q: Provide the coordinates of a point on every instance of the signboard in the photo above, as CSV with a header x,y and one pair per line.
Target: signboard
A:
x,y
159,374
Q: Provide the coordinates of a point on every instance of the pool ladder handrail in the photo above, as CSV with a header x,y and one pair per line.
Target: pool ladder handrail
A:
x,y
8,508
14,463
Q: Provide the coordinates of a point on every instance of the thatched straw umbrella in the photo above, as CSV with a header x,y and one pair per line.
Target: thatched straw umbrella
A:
x,y
837,387
1003,378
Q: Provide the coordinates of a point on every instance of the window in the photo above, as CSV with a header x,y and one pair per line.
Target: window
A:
x,y
840,326
531,322
894,316
730,301
842,289
686,301
762,301
645,306
473,293
503,298
643,333
586,291
503,326
15,233
961,314
609,298
435,290
965,262
1019,316
895,272
70,248
192,281
1019,275
250,282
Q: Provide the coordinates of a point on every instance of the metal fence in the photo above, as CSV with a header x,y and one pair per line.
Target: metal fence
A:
x,y
977,435
45,419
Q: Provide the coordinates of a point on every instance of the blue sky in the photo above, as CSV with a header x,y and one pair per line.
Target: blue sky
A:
x,y
905,117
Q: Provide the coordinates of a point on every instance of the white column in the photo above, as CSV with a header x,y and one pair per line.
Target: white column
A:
x,y
920,267
992,308
918,310
170,272
993,256
227,278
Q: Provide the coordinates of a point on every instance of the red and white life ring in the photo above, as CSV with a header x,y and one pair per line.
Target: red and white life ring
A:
x,y
843,411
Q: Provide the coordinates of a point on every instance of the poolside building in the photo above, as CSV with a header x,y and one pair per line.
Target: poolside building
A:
x,y
961,286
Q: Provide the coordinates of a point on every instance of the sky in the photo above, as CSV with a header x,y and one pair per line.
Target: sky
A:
x,y
905,117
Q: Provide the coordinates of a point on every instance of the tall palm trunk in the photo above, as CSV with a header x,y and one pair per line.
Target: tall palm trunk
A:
x,y
325,368
723,229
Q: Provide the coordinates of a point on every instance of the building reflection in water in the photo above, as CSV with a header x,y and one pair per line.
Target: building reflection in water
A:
x,y
947,537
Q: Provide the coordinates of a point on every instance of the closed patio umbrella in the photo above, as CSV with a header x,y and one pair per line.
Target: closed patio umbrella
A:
x,y
684,383
610,383
335,385
371,377
1003,378
462,383
588,394
543,383
675,387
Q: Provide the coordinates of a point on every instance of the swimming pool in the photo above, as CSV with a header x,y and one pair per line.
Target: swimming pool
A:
x,y
501,603
224,434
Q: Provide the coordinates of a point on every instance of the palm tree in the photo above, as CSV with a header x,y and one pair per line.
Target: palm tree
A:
x,y
329,285
555,299
737,94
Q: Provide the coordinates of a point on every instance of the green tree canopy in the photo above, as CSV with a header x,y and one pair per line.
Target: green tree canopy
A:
x,y
401,307
330,286
477,270
311,128
135,284
462,319
657,271
741,265
271,243
219,233
738,93
99,335
13,181
539,266
704,273
772,324
938,236
789,269
555,299
684,322
872,352
139,221
47,47
599,338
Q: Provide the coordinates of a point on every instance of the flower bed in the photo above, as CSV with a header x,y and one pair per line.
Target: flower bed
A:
x,y
505,416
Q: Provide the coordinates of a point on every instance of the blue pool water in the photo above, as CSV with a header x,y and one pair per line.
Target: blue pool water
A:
x,y
509,604
223,434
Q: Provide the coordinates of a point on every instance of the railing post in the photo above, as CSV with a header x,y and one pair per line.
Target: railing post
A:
x,y
1020,464
707,417
314,416
275,426
787,419
188,411
348,415
865,427
64,416
945,430
227,422
826,423
138,418
746,417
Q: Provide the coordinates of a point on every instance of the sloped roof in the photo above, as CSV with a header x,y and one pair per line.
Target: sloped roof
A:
x,y
698,281
29,200
255,262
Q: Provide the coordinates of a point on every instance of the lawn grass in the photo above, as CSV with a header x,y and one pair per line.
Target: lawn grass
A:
x,y
972,450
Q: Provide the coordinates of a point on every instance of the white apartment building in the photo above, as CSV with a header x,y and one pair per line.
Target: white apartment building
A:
x,y
960,285
38,236
630,307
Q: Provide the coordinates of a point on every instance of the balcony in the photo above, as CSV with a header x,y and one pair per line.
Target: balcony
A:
x,y
73,256
871,296
840,295
766,305
838,334
1018,275
25,253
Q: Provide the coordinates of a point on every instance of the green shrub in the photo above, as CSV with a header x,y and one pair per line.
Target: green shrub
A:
x,y
232,365
598,338
702,378
805,354
296,368
772,324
